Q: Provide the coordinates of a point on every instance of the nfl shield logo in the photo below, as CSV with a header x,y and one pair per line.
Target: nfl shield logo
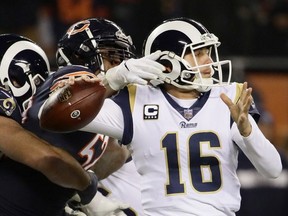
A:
x,y
188,114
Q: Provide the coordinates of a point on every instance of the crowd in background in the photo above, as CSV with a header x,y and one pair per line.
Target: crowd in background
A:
x,y
248,27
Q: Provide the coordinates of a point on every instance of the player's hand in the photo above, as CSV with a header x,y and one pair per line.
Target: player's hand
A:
x,y
71,80
102,206
88,194
240,110
138,71
73,212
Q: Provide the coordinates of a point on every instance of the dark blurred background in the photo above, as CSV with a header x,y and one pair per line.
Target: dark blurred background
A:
x,y
254,35
246,27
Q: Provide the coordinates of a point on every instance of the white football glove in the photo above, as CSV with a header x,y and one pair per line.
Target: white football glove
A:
x,y
102,206
138,71
99,206
72,212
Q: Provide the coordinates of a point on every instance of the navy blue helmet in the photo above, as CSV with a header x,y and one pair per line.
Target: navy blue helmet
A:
x,y
89,41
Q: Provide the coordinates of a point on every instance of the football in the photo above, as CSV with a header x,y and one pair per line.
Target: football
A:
x,y
72,107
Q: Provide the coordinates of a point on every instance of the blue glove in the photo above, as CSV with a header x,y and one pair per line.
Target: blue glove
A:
x,y
87,195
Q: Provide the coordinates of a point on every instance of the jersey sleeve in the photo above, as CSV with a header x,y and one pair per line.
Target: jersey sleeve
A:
x,y
120,124
105,123
259,150
125,100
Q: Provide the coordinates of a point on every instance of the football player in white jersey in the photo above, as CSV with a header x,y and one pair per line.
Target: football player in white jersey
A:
x,y
186,129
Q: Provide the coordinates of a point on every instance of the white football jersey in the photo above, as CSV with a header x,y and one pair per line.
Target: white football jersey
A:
x,y
186,157
123,185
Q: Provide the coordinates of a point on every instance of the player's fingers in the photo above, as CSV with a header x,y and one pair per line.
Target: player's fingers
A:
x,y
226,100
153,66
140,78
61,84
86,78
246,92
247,104
246,99
154,56
90,79
148,76
71,80
146,65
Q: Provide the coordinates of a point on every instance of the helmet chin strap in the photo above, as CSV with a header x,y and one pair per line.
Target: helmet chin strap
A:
x,y
101,63
202,84
199,84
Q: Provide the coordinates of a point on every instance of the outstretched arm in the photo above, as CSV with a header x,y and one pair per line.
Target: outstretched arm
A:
x,y
249,137
26,148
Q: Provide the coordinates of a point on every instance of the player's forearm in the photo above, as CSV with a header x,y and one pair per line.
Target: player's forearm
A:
x,y
24,147
260,151
106,165
104,123
113,158
65,171
17,143
57,165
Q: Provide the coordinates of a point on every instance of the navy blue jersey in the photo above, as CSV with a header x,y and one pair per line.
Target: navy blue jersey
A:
x,y
85,147
9,108
24,191
27,192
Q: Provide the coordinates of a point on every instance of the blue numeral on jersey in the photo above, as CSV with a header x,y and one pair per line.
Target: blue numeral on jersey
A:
x,y
204,168
174,185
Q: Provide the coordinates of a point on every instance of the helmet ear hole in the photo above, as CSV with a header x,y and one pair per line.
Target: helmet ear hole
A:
x,y
167,64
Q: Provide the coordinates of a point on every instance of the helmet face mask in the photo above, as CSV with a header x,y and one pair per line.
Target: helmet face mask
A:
x,y
23,67
179,37
86,41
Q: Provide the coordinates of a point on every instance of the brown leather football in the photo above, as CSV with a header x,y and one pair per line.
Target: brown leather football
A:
x,y
72,107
